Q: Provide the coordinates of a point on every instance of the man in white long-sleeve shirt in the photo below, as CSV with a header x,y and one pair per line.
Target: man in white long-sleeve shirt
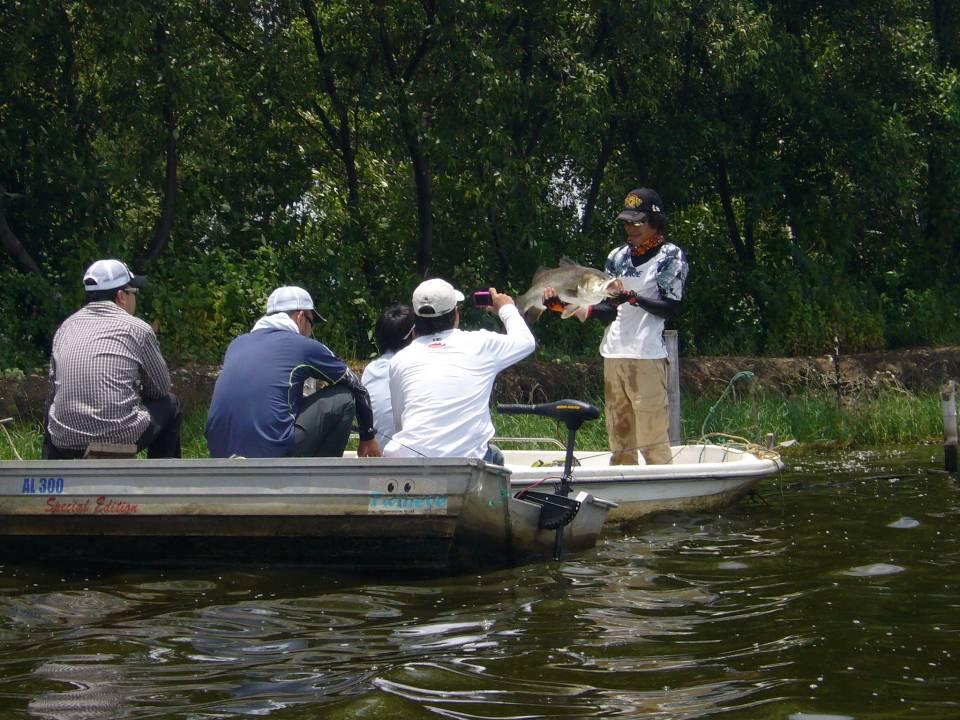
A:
x,y
440,384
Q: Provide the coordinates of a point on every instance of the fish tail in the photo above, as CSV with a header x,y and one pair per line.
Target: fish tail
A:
x,y
533,313
526,301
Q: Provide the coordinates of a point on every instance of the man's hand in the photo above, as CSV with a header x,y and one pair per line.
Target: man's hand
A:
x,y
498,300
625,297
369,448
551,301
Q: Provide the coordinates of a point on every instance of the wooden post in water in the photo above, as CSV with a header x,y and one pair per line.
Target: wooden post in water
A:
x,y
948,399
673,385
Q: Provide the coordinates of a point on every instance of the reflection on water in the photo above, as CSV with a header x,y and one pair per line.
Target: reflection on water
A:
x,y
833,596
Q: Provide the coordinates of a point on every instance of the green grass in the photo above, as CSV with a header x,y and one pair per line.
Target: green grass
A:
x,y
27,438
812,419
886,419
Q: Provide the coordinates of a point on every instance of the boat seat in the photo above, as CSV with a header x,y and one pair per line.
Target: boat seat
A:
x,y
119,451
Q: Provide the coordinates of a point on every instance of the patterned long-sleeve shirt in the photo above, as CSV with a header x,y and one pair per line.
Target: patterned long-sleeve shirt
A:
x,y
636,333
104,363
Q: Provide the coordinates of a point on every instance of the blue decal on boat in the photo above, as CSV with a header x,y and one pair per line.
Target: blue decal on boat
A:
x,y
42,486
407,503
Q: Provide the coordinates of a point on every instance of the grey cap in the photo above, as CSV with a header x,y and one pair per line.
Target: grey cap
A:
x,y
289,298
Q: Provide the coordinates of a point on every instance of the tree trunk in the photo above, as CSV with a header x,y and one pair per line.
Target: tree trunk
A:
x,y
499,246
607,143
410,130
11,243
744,250
421,178
339,137
165,223
744,253
941,216
161,58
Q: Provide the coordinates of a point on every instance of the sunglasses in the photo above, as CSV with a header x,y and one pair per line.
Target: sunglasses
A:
x,y
129,291
644,219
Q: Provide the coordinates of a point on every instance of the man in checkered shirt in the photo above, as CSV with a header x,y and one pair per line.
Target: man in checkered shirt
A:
x,y
108,381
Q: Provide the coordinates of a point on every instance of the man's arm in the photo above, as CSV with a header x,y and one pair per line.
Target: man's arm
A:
x,y
519,341
368,446
664,307
156,376
606,311
51,391
328,367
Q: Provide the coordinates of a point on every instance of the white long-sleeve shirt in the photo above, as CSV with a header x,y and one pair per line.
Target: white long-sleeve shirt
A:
x,y
376,380
440,388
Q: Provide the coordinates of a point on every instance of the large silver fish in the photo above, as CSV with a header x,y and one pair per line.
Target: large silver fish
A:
x,y
575,285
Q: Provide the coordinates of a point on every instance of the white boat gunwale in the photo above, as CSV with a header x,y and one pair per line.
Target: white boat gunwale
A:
x,y
644,490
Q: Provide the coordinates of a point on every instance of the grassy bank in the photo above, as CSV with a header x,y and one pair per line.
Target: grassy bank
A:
x,y
813,419
889,418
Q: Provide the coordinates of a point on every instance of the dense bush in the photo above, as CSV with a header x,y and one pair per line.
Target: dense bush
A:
x,y
808,155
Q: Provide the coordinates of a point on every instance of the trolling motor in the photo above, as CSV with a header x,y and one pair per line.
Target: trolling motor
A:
x,y
557,510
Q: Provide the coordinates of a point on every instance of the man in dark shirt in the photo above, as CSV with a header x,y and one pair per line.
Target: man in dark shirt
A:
x,y
258,408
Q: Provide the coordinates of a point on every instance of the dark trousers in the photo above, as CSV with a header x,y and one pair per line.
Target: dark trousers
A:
x,y
322,428
161,439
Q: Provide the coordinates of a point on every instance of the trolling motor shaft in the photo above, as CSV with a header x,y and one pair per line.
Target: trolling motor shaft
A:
x,y
572,413
557,510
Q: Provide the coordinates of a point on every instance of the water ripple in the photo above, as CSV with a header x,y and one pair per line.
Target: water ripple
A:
x,y
761,611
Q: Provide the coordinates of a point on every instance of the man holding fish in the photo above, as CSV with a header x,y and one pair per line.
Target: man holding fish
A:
x,y
642,288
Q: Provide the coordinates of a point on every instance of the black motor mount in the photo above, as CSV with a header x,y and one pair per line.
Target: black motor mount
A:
x,y
557,510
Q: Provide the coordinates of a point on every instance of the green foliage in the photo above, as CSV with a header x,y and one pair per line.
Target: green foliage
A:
x,y
201,301
808,153
27,321
924,316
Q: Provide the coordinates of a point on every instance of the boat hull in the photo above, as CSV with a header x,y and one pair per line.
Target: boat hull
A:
x,y
375,513
701,478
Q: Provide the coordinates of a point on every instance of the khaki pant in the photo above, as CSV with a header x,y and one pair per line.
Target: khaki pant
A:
x,y
637,412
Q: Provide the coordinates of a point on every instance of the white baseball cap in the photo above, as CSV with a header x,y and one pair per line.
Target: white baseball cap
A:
x,y
435,297
110,275
291,297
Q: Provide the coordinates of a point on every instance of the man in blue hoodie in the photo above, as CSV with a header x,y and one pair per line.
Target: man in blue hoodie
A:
x,y
258,407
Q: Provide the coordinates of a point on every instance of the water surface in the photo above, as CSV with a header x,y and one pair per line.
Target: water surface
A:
x,y
833,595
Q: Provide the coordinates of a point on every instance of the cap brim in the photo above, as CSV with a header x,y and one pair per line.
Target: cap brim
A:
x,y
138,281
632,216
317,317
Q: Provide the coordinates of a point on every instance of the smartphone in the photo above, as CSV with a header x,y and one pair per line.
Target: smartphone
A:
x,y
481,298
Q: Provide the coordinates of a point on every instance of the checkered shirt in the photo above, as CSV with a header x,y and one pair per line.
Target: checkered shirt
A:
x,y
104,361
